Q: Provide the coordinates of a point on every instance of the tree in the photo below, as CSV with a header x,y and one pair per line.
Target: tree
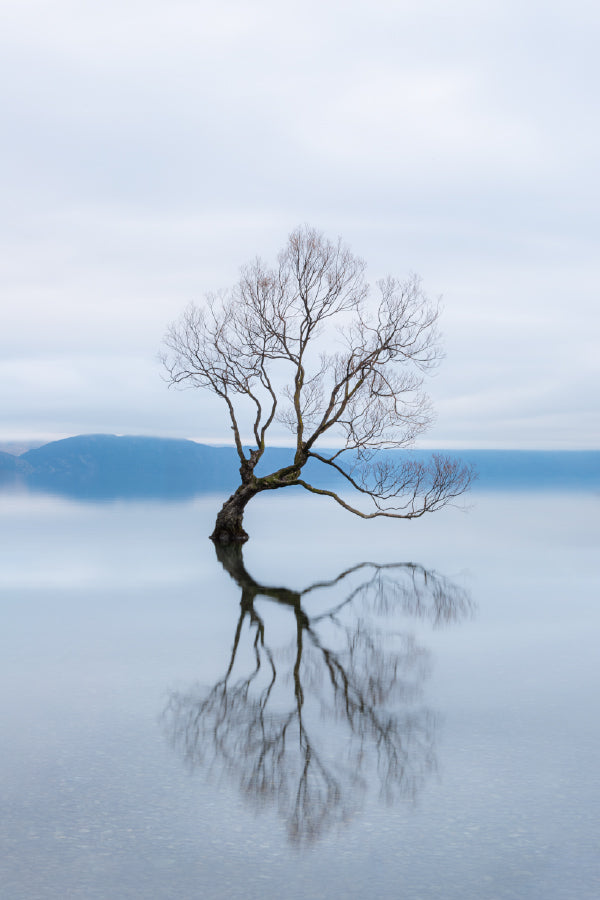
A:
x,y
304,343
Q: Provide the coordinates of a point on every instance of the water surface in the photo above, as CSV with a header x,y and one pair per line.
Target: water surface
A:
x,y
351,709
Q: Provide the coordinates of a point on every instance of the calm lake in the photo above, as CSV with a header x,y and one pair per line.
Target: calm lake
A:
x,y
351,709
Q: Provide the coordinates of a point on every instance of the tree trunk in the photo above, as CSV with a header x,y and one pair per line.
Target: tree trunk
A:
x,y
228,527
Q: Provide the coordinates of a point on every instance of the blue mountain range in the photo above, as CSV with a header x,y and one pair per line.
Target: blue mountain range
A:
x,y
102,466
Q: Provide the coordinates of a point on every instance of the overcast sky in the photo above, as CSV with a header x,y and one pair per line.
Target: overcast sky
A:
x,y
150,148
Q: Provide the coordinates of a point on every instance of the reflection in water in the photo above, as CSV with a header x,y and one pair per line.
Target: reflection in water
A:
x,y
308,726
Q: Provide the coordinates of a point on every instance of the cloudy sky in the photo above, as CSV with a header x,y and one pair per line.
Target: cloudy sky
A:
x,y
150,148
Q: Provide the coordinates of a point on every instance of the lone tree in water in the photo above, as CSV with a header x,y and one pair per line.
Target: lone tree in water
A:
x,y
267,348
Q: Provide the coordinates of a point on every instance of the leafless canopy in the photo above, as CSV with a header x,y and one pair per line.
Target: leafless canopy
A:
x,y
307,344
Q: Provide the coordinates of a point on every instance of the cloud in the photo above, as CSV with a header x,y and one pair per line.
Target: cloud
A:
x,y
152,148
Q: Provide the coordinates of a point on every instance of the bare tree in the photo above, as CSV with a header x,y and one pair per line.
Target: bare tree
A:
x,y
304,344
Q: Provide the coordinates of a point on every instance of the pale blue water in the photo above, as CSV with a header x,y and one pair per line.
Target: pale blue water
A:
x,y
417,732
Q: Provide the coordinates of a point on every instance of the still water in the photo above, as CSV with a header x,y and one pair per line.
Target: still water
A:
x,y
348,709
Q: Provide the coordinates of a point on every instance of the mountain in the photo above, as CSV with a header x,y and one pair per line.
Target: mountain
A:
x,y
16,448
535,469
104,466
8,463
11,466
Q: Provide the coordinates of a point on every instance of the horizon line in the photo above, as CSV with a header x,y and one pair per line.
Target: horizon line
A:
x,y
16,443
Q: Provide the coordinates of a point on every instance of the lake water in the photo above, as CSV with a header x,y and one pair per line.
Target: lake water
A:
x,y
295,723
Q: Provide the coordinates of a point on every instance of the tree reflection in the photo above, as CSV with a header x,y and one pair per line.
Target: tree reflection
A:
x,y
308,725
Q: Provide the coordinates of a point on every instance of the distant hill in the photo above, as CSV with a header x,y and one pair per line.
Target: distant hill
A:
x,y
11,466
16,448
103,466
535,469
8,463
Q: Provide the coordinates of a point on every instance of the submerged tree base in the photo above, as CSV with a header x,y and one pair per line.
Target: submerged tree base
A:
x,y
224,536
229,530
228,527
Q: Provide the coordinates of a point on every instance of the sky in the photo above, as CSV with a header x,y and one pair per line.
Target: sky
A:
x,y
151,148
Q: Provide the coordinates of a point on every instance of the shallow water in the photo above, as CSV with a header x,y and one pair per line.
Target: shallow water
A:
x,y
175,725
